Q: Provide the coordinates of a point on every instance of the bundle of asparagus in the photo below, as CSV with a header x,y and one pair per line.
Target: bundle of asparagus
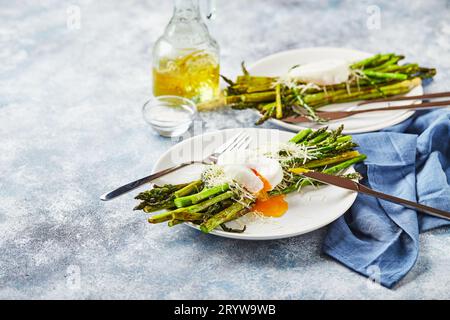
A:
x,y
375,77
211,206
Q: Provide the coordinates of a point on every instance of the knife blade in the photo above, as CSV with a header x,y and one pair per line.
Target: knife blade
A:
x,y
358,187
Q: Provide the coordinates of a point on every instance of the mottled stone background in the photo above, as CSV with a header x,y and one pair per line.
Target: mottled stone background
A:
x,y
71,128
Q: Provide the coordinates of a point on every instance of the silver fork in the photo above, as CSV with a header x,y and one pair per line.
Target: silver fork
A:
x,y
240,141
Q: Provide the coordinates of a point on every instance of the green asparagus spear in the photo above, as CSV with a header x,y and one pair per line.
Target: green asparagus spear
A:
x,y
158,198
322,98
194,186
299,137
230,213
166,216
332,160
385,75
315,134
392,61
318,138
343,139
187,216
159,193
344,165
252,97
373,61
217,207
202,195
154,208
279,108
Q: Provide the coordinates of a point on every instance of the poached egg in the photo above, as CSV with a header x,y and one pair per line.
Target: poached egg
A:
x,y
252,171
258,174
324,72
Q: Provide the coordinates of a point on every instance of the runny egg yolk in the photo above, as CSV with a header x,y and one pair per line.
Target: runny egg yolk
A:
x,y
274,206
268,206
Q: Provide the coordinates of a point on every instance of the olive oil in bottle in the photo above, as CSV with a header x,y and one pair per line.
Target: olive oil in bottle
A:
x,y
186,57
194,76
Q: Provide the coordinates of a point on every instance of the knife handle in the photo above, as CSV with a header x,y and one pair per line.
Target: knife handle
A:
x,y
136,184
419,106
407,203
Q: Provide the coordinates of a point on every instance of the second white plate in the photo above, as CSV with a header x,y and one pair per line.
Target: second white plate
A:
x,y
279,63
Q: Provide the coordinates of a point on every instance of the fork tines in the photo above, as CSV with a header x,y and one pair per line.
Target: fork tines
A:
x,y
241,140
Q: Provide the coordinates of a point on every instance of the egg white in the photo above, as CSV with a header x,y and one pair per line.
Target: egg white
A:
x,y
324,72
238,166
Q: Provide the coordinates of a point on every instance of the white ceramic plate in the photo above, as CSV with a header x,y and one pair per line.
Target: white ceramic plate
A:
x,y
309,210
280,63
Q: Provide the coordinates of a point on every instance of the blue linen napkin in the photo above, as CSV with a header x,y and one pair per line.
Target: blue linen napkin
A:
x,y
411,160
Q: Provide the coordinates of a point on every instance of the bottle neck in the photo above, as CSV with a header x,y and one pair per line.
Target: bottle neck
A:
x,y
188,9
187,28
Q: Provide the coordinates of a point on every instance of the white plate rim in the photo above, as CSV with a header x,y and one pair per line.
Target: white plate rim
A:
x,y
294,127
244,236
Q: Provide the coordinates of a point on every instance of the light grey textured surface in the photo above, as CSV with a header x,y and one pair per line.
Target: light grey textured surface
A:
x,y
70,129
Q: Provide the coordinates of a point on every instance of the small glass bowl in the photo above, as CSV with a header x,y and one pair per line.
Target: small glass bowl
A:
x,y
170,116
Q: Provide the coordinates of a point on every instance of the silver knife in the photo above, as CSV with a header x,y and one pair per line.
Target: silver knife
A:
x,y
358,187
